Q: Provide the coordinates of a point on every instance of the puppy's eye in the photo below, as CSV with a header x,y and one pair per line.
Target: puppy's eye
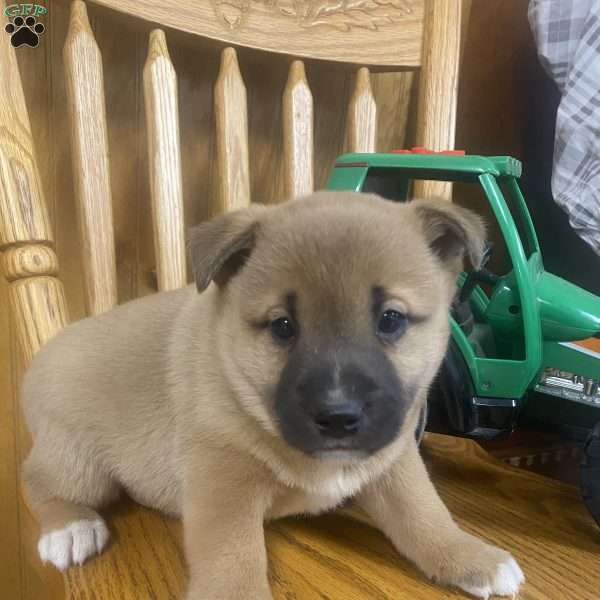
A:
x,y
283,329
391,324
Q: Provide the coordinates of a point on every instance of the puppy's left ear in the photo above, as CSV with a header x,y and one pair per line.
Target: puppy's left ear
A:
x,y
452,231
219,247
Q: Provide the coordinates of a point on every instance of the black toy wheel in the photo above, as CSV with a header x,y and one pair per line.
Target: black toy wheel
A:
x,y
590,473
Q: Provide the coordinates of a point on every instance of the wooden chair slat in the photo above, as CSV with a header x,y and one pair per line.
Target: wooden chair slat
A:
x,y
438,86
231,119
29,263
89,146
164,158
297,133
361,130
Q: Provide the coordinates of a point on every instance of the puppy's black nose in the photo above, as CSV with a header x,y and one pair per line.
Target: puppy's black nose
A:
x,y
340,421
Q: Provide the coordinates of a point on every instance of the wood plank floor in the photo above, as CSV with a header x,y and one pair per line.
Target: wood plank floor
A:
x,y
334,557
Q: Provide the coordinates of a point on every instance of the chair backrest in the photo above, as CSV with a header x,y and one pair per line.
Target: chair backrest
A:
x,y
357,34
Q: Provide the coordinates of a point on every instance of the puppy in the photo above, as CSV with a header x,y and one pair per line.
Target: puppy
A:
x,y
288,379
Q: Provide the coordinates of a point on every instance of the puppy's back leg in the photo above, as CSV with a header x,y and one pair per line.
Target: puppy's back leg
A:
x,y
63,489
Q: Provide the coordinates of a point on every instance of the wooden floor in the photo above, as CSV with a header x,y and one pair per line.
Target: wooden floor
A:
x,y
334,557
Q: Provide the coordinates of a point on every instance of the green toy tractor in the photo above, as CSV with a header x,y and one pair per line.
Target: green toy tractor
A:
x,y
515,351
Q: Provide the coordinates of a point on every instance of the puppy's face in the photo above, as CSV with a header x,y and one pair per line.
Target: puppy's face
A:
x,y
333,312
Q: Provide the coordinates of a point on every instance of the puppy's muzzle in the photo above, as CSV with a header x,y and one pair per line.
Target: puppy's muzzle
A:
x,y
352,401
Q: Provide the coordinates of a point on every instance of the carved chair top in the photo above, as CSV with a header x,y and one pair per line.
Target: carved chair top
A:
x,y
385,33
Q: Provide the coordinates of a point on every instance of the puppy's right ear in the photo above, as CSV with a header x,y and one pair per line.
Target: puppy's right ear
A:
x,y
218,248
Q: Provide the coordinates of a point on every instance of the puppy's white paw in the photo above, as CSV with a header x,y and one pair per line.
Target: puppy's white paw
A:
x,y
507,581
476,567
74,543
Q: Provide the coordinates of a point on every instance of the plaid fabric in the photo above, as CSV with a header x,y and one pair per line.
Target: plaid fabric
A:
x,y
567,33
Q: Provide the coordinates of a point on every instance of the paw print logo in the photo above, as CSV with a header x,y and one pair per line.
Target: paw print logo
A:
x,y
24,32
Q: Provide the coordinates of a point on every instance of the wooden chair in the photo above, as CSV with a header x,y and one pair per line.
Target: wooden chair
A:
x,y
421,35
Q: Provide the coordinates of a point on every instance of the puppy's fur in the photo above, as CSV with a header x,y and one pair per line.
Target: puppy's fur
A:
x,y
276,390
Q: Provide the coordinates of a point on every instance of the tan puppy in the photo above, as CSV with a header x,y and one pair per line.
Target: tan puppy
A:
x,y
292,382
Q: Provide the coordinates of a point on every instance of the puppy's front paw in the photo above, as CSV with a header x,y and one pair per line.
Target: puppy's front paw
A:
x,y
478,568
74,543
507,581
